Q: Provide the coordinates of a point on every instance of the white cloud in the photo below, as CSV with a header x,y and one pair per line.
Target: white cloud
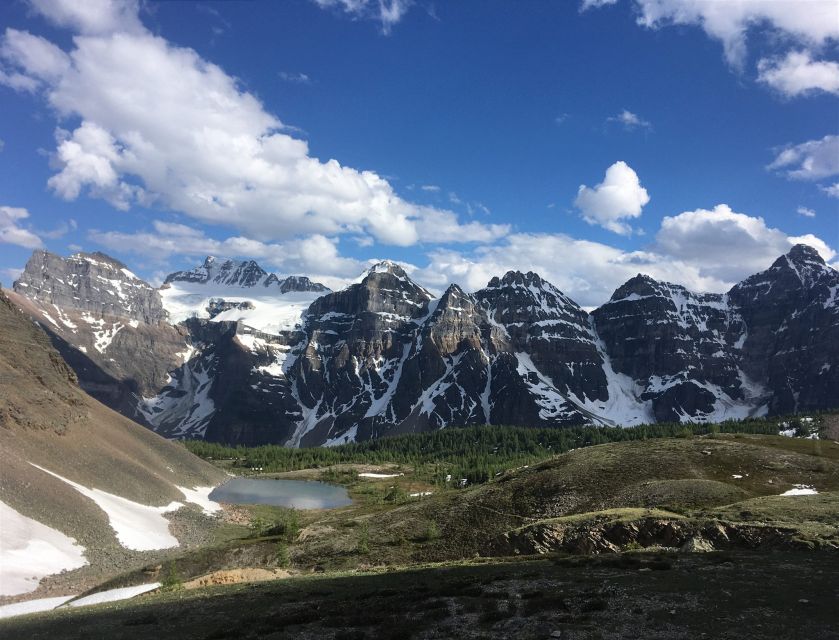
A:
x,y
12,233
386,12
595,4
33,60
810,160
807,213
704,250
9,275
630,120
433,188
588,272
798,74
832,190
161,125
813,22
91,17
618,197
295,77
725,245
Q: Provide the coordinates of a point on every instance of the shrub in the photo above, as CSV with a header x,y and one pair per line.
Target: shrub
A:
x,y
364,538
432,532
282,555
171,580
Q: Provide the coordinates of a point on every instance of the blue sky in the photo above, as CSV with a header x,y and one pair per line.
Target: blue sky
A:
x,y
586,140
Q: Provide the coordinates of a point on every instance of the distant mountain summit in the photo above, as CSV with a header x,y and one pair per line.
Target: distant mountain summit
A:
x,y
92,282
253,359
243,274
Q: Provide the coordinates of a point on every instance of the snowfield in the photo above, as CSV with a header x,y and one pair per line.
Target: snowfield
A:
x,y
273,311
137,526
30,551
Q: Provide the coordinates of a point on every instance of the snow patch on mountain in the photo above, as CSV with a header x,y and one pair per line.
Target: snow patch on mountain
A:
x,y
271,312
137,526
31,551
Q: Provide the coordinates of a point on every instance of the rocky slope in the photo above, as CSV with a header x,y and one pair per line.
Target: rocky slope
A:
x,y
49,426
384,356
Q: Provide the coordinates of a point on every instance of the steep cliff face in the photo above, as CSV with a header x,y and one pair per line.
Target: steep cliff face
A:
x,y
681,349
107,324
383,356
92,282
790,336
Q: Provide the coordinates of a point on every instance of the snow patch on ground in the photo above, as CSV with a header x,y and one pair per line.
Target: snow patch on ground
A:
x,y
30,551
201,497
113,595
801,490
32,606
379,475
137,526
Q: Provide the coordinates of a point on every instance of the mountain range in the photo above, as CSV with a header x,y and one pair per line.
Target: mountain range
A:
x,y
229,352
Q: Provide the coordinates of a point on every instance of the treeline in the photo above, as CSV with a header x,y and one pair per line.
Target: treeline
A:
x,y
473,453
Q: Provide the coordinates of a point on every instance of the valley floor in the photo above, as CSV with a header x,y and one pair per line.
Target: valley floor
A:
x,y
635,595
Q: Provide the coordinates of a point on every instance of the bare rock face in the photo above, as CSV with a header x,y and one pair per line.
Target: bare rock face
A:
x,y
92,282
107,324
539,320
791,341
219,305
679,347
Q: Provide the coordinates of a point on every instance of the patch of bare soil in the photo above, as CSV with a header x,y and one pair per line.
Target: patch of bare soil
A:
x,y
236,576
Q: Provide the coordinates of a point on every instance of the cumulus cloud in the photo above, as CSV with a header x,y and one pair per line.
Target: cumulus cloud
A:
x,y
630,120
806,212
618,197
91,17
811,160
798,74
33,60
12,233
587,271
159,124
704,250
386,12
725,245
813,22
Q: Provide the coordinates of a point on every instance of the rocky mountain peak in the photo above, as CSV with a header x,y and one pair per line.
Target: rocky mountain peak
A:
x,y
387,266
244,274
804,254
799,272
297,283
639,286
98,257
93,282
